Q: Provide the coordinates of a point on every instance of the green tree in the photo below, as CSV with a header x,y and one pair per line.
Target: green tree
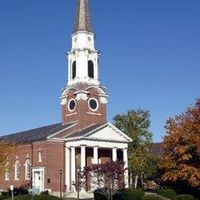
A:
x,y
136,124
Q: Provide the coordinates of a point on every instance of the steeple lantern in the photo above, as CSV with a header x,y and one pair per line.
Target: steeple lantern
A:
x,y
83,57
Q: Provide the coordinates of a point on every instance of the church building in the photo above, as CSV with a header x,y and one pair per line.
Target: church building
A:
x,y
47,157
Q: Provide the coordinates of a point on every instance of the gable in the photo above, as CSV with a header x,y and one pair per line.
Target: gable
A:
x,y
110,133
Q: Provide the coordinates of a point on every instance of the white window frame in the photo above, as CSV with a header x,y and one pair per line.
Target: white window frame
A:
x,y
17,170
27,167
7,171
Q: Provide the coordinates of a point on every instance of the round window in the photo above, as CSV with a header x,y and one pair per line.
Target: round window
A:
x,y
93,104
71,105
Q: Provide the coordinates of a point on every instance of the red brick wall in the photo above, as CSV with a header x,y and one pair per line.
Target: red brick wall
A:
x,y
82,113
52,161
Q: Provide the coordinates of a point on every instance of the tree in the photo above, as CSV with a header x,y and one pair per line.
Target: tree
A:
x,y
6,150
136,123
109,177
181,158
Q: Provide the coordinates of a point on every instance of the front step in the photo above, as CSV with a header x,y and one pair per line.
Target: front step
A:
x,y
82,195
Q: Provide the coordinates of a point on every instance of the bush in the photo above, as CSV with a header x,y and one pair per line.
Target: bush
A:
x,y
99,194
168,193
24,197
46,192
37,197
152,197
133,194
185,197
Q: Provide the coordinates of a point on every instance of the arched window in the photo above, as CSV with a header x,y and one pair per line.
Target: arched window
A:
x,y
74,70
17,170
40,155
27,169
7,171
90,69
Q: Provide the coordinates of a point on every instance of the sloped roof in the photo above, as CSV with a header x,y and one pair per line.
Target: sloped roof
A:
x,y
95,131
34,135
83,132
156,149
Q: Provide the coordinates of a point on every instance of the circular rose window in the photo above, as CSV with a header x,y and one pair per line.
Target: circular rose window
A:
x,y
71,105
93,104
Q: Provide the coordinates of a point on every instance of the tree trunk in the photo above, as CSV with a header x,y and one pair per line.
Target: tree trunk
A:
x,y
136,181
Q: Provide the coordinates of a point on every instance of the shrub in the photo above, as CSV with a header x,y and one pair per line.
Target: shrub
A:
x,y
100,194
37,197
24,197
185,197
133,194
152,197
168,193
46,192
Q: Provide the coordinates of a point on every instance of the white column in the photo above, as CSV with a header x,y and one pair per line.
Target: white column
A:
x,y
114,154
67,169
83,160
94,184
83,156
73,168
95,155
125,156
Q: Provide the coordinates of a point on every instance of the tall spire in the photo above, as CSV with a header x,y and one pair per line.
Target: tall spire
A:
x,y
83,21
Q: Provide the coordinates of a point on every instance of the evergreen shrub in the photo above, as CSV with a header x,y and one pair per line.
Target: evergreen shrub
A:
x,y
185,197
167,193
131,194
152,197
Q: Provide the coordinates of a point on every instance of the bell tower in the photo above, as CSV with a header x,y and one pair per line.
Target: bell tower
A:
x,y
84,99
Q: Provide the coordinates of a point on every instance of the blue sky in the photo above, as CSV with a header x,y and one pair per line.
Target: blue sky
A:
x,y
150,58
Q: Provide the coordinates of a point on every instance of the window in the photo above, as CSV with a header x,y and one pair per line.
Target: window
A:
x,y
71,105
90,69
93,104
40,155
74,70
17,170
27,169
7,171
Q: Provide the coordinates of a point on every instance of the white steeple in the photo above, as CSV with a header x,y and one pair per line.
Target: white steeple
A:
x,y
83,58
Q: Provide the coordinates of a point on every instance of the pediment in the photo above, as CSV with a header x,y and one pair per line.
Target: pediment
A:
x,y
108,132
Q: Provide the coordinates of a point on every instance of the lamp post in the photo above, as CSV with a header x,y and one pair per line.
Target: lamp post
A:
x,y
60,172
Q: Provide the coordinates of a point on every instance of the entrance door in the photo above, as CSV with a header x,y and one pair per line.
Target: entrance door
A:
x,y
38,179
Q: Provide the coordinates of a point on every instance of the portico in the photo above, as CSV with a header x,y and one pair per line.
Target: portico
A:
x,y
88,149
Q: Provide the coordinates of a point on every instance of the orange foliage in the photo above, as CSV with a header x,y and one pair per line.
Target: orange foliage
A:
x,y
6,150
181,159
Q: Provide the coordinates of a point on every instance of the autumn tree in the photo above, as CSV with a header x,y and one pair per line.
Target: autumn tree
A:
x,y
136,124
106,178
181,159
6,150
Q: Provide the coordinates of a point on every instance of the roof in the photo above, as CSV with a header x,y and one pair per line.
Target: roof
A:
x,y
93,131
35,135
80,133
156,149
83,21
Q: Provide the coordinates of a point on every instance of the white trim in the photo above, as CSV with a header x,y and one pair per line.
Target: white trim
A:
x,y
97,88
96,103
91,113
71,114
113,127
68,105
41,170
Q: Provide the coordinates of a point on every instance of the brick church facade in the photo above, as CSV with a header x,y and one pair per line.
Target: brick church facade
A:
x,y
47,157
